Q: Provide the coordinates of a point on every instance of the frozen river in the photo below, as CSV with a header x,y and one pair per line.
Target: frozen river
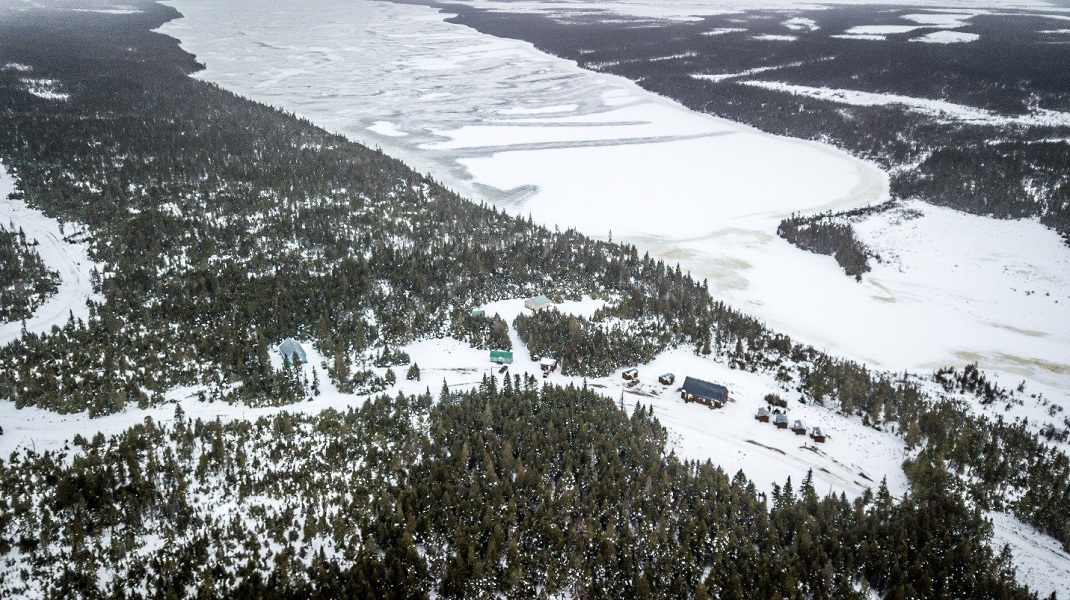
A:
x,y
500,121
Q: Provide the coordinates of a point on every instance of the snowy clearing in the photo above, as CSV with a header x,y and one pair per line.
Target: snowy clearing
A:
x,y
947,37
801,24
940,109
70,260
775,38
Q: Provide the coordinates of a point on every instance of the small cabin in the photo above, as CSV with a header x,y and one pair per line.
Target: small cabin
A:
x,y
667,379
704,392
763,415
501,357
630,374
538,303
798,427
781,421
478,312
289,348
817,435
548,364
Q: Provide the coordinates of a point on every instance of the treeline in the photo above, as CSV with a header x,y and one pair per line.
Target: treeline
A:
x,y
1006,466
25,281
487,333
510,490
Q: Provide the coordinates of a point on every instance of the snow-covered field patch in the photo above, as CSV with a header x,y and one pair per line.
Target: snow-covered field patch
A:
x,y
947,37
940,109
49,89
801,24
973,282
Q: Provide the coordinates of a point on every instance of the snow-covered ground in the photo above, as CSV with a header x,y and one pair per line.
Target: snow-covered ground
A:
x,y
69,259
499,121
940,109
1041,562
853,458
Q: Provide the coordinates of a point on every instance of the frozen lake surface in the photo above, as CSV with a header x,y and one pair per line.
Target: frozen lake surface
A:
x,y
499,121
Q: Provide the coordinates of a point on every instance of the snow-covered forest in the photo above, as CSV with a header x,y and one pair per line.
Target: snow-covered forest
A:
x,y
217,227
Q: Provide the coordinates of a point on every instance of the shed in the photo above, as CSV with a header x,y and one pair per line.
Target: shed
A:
x,y
781,421
798,427
704,392
667,379
478,312
289,348
630,374
817,435
501,357
548,364
538,303
763,415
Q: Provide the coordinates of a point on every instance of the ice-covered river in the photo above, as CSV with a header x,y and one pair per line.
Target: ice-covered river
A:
x,y
500,121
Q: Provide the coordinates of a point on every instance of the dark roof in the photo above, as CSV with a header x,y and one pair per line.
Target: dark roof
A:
x,y
705,389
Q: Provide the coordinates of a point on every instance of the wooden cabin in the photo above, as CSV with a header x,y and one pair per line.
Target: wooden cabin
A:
x,y
667,379
547,364
817,435
630,374
798,427
704,392
781,421
763,415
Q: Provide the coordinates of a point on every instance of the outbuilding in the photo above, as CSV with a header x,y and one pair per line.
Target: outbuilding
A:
x,y
798,427
501,357
704,392
478,312
548,364
630,374
763,415
538,303
781,421
289,348
667,379
817,435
